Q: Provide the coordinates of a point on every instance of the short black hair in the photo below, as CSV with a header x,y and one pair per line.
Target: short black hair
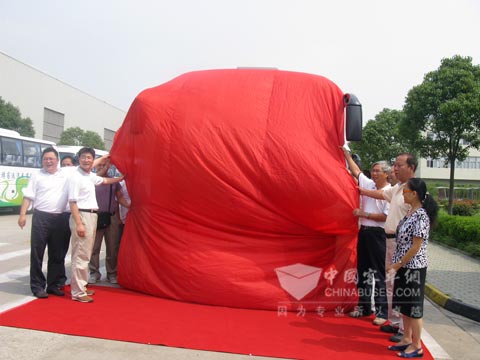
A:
x,y
50,149
68,157
88,150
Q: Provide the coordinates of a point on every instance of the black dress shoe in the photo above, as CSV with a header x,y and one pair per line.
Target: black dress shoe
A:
x,y
396,338
389,328
40,294
55,291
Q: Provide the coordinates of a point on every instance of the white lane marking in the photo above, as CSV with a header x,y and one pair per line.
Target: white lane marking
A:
x,y
16,274
14,254
16,303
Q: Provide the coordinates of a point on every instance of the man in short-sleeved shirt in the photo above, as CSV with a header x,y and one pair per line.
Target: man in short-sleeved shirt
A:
x,y
46,190
398,208
83,222
371,242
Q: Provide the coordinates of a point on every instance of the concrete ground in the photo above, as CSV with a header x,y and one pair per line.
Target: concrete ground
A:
x,y
447,335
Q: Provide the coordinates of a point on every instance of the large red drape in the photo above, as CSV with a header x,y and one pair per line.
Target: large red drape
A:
x,y
234,174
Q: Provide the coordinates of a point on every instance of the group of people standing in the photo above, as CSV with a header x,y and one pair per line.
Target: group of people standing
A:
x,y
394,231
67,202
395,220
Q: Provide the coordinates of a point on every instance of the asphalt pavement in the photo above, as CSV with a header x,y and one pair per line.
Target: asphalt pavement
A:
x,y
453,281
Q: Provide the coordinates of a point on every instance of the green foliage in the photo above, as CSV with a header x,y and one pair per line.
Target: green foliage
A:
x,y
381,138
72,136
463,207
77,136
443,203
92,139
462,232
11,118
473,249
444,110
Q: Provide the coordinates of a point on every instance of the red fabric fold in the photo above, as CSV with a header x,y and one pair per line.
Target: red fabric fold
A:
x,y
232,174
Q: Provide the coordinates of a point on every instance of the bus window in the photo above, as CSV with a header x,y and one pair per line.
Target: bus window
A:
x,y
12,152
32,155
20,157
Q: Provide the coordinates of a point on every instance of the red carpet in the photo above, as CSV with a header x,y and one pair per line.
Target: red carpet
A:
x,y
124,315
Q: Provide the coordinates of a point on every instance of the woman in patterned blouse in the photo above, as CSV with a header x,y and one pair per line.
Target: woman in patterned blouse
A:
x,y
410,264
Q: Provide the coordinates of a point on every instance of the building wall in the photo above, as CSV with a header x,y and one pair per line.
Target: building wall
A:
x,y
38,96
462,173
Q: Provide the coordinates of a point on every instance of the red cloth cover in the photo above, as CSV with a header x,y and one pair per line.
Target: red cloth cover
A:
x,y
233,174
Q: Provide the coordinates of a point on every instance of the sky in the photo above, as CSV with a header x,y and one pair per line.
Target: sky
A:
x,y
114,49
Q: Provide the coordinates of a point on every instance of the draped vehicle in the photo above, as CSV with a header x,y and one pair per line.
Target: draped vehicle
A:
x,y
240,193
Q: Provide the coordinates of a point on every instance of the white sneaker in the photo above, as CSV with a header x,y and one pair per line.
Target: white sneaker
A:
x,y
92,279
113,280
83,299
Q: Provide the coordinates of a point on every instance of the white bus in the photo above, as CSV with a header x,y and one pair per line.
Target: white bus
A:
x,y
20,156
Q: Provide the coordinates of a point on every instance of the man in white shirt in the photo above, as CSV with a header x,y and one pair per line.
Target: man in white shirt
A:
x,y
371,246
47,191
83,222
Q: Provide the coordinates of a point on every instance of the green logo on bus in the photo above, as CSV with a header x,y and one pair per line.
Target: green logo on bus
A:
x,y
11,192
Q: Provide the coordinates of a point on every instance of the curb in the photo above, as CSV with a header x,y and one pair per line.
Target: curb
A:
x,y
451,304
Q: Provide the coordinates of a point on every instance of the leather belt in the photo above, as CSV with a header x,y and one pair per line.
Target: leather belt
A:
x,y
88,210
365,227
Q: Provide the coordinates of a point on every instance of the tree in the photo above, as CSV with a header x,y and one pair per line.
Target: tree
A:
x,y
11,118
92,139
77,136
71,136
443,113
381,138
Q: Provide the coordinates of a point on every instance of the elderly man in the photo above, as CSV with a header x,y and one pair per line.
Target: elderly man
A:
x,y
371,246
404,168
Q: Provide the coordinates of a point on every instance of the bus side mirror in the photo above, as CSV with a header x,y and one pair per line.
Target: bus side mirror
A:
x,y
353,117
